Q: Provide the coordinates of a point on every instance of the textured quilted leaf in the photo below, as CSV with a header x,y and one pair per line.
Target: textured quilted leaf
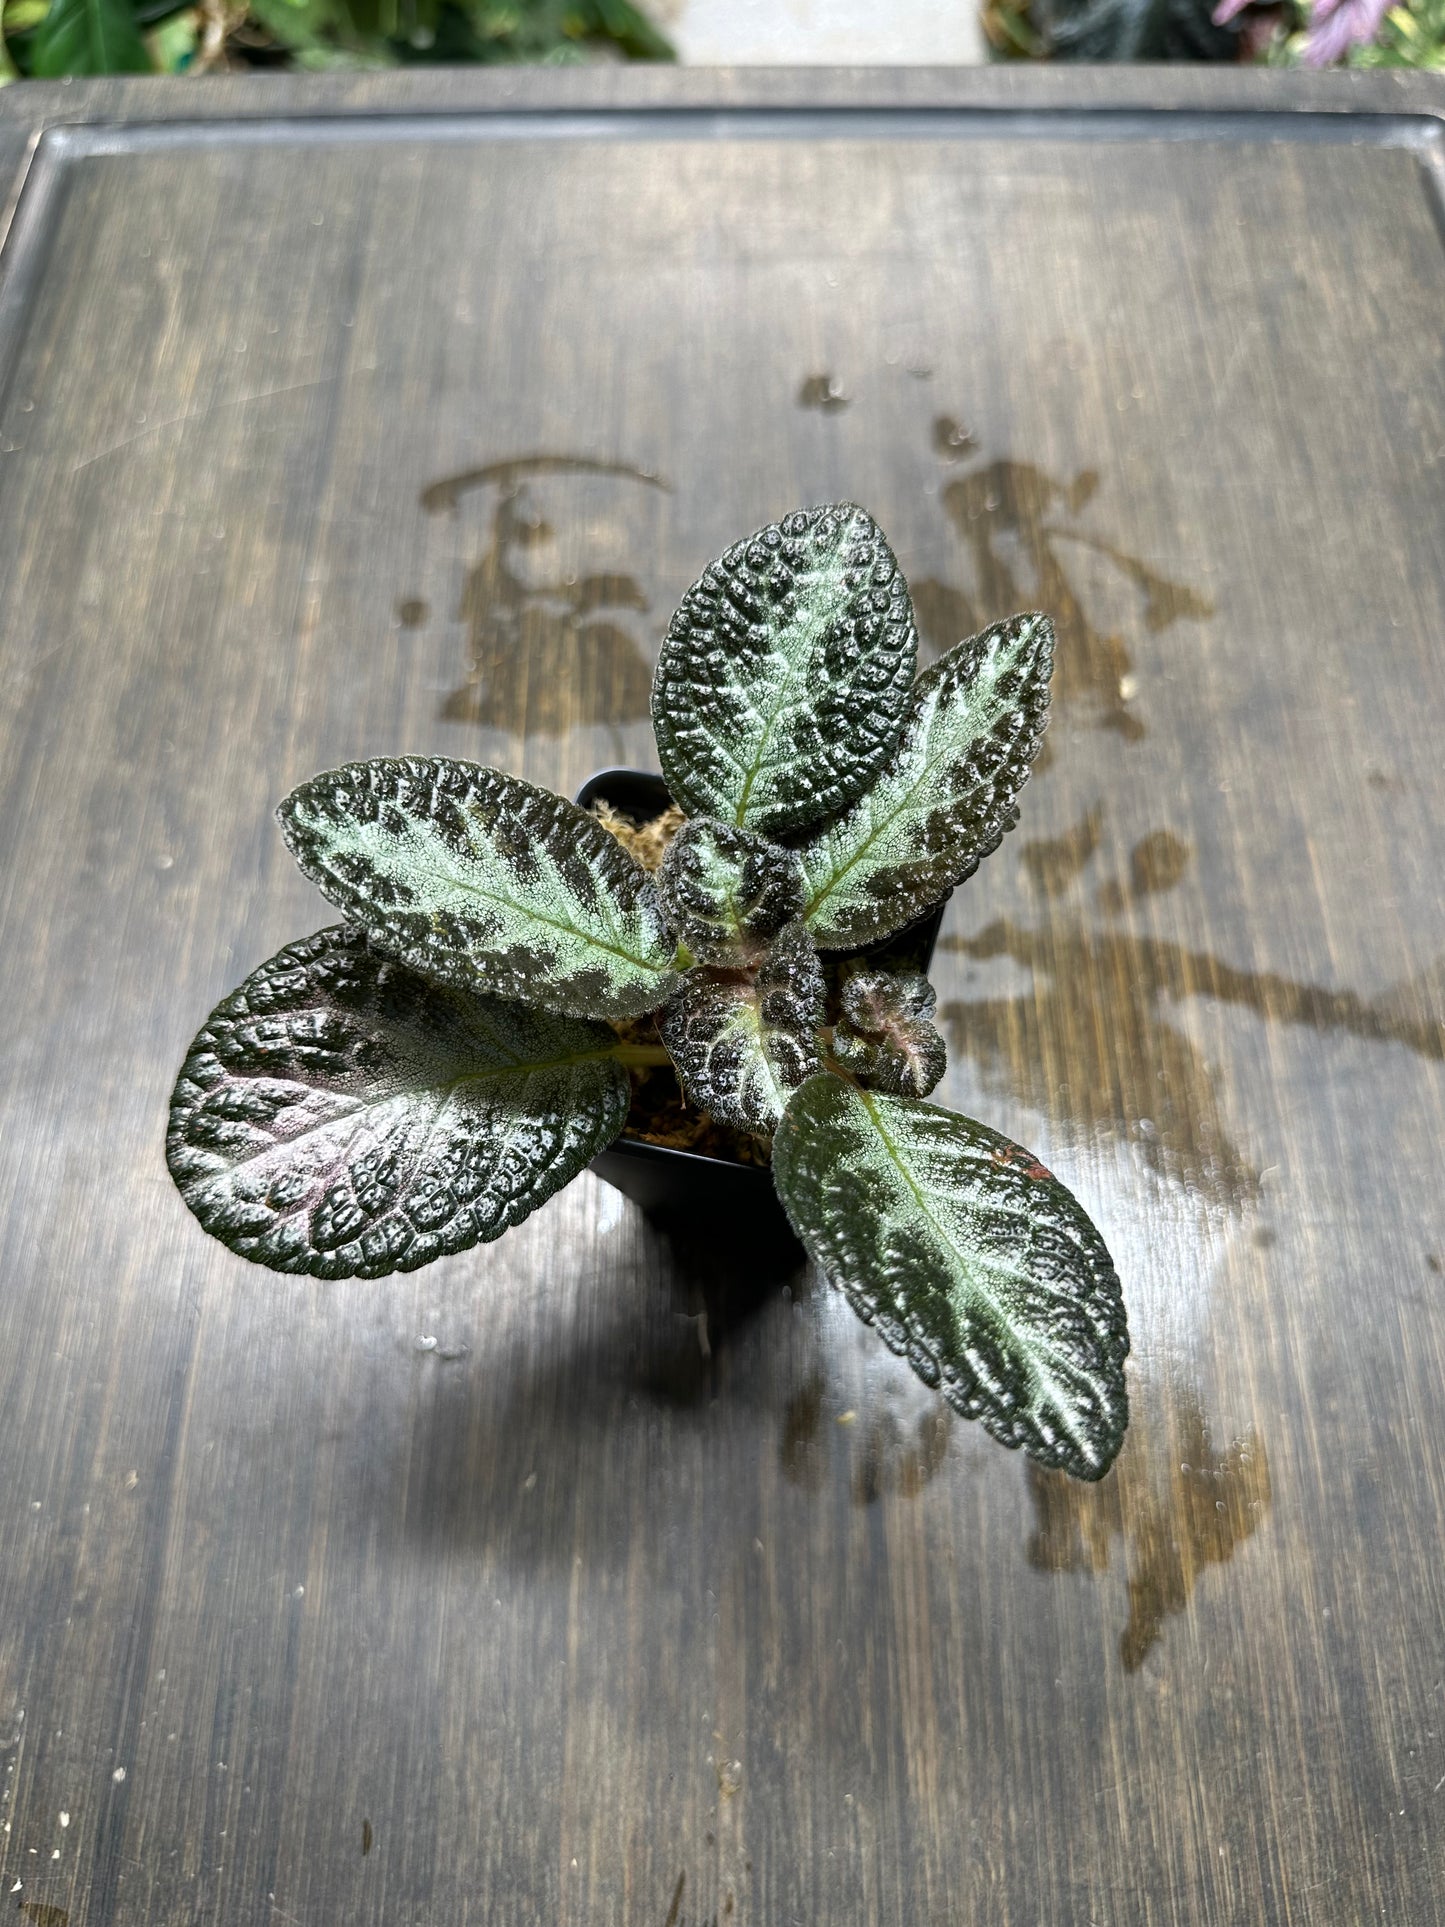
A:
x,y
784,679
342,1115
971,1260
948,794
885,1034
728,892
742,1046
484,881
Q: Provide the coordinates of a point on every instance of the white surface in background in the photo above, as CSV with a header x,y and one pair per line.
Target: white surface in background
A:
x,y
845,33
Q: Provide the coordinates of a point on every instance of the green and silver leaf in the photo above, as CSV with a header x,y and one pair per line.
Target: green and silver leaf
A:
x,y
784,679
343,1116
728,892
484,881
742,1045
972,1261
947,796
885,1035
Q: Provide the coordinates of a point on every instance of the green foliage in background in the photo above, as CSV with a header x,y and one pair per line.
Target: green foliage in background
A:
x,y
45,39
1412,36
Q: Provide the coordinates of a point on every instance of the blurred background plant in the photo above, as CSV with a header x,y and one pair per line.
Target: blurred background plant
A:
x,y
44,39
1276,33
49,38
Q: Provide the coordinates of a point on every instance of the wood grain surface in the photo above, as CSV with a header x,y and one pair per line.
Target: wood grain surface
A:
x,y
594,1578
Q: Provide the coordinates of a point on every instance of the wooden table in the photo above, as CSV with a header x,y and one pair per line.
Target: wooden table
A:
x,y
581,1580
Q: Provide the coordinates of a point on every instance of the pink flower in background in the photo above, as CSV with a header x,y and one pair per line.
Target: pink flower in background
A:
x,y
1335,26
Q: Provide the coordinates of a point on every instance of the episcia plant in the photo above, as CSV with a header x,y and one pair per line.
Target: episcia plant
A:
x,y
421,1077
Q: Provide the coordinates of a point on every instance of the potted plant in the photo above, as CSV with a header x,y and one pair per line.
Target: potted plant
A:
x,y
510,979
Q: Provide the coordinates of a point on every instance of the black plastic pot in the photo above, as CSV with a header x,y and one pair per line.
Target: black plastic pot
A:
x,y
713,1196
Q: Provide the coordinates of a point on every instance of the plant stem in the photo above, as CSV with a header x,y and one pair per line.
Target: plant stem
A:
x,y
831,1065
641,1056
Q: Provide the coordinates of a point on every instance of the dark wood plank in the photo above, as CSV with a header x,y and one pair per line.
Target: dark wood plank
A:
x,y
491,1594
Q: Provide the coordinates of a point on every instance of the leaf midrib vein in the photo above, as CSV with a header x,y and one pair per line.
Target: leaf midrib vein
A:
x,y
540,916
794,670
883,823
440,1094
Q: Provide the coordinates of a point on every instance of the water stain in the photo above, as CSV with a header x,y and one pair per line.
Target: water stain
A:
x,y
945,614
1081,491
675,1915
676,1906
413,611
545,652
44,1915
951,439
1019,526
513,470
1177,1505
888,1458
891,1460
800,1453
1052,862
1157,862
1090,1046
823,392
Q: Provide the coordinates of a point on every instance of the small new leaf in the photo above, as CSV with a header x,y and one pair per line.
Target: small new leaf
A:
x,y
743,1045
972,1261
341,1115
885,1034
784,679
946,797
728,892
484,881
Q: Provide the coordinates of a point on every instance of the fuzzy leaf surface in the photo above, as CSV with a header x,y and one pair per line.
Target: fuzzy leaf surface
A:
x,y
485,881
742,1046
343,1116
885,1033
784,679
728,892
972,1261
947,796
